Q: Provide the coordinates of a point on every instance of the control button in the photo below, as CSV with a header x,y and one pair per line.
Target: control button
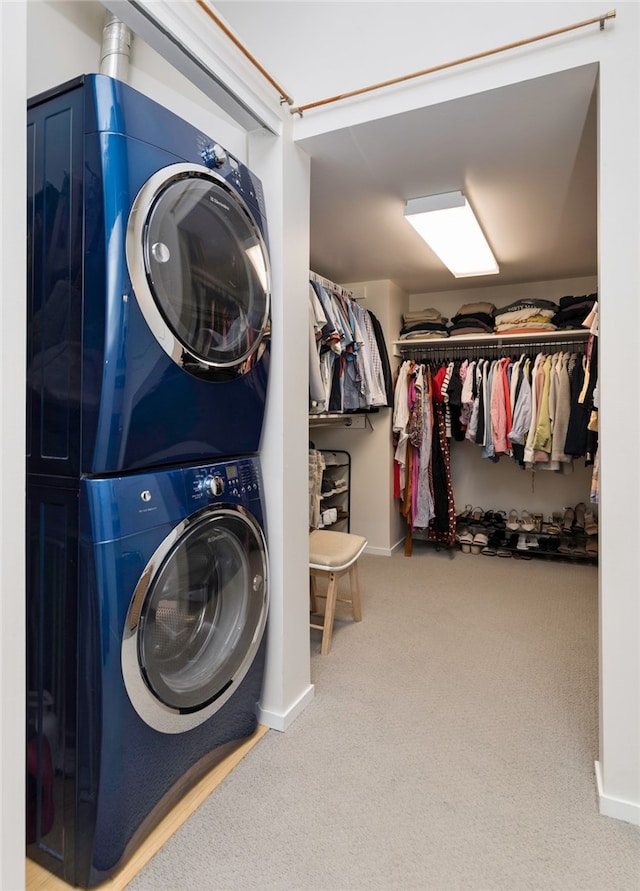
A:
x,y
233,163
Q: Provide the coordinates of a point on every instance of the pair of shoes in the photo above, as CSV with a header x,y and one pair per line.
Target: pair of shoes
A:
x,y
465,514
527,542
526,521
568,519
479,542
503,552
579,511
466,540
590,523
513,521
567,545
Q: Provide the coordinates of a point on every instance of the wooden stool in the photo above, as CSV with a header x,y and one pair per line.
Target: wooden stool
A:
x,y
331,555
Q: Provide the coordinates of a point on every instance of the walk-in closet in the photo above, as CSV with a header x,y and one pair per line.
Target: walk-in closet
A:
x,y
494,433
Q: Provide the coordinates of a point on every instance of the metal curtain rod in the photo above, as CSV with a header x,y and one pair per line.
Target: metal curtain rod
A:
x,y
599,20
283,94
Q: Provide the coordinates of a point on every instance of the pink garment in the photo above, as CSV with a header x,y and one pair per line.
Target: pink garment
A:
x,y
498,412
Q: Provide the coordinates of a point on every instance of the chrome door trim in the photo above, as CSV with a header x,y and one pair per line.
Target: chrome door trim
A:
x,y
152,711
134,248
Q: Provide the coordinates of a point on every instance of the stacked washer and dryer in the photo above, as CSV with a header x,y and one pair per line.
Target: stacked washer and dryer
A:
x,y
147,576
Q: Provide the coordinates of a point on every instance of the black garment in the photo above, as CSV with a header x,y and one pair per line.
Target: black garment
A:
x,y
426,327
454,394
578,440
442,527
483,317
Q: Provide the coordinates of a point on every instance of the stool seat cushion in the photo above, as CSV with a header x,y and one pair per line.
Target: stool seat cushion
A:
x,y
334,550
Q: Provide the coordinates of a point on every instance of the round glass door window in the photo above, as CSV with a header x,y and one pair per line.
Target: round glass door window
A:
x,y
200,270
196,619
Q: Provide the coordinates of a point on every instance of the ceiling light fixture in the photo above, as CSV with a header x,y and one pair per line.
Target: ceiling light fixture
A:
x,y
448,225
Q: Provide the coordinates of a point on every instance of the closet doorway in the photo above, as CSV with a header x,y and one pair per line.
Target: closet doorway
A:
x,y
526,155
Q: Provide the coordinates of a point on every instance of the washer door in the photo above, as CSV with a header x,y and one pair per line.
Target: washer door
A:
x,y
199,266
196,619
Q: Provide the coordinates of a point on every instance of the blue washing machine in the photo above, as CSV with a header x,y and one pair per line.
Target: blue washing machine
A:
x,y
149,287
146,610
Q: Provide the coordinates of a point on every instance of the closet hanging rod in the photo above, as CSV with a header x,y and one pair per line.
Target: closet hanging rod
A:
x,y
327,283
596,20
460,350
570,335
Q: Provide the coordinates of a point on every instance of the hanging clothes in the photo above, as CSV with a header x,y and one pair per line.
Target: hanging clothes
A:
x,y
422,457
349,369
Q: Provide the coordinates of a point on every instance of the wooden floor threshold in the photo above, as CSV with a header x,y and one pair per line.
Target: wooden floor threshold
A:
x,y
39,879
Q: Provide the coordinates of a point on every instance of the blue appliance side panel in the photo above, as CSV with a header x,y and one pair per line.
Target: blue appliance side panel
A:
x,y
55,198
53,763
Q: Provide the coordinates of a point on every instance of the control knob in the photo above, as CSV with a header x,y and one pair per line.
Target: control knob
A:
x,y
214,155
213,485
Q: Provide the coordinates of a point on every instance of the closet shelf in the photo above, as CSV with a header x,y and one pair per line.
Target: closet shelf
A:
x,y
570,335
341,419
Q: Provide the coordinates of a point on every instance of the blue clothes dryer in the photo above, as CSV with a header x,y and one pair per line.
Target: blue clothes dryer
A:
x,y
147,602
149,287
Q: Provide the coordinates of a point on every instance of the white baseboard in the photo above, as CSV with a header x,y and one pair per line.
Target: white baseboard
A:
x,y
616,807
281,721
378,552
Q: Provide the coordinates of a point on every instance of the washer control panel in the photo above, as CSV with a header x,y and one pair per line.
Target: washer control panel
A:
x,y
230,480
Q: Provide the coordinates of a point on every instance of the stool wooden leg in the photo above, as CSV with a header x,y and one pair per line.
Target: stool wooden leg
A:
x,y
354,581
312,594
329,613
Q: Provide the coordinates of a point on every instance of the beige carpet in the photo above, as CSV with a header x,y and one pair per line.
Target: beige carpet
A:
x,y
451,745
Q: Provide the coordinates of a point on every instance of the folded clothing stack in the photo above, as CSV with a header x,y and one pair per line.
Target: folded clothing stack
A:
x,y
574,310
473,318
428,322
533,315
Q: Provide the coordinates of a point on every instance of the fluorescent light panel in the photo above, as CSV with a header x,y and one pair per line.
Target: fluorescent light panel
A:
x,y
448,225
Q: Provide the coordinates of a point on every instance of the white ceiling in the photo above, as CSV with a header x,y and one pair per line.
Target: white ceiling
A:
x,y
525,156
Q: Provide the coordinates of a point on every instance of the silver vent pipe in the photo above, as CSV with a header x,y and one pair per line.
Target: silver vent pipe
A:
x,y
116,48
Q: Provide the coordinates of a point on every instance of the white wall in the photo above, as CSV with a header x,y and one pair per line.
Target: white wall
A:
x,y
12,425
284,170
616,50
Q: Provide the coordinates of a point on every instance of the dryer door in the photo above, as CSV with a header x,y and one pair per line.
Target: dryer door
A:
x,y
199,266
196,619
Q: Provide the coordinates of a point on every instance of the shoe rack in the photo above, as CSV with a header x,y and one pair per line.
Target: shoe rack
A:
x,y
569,534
